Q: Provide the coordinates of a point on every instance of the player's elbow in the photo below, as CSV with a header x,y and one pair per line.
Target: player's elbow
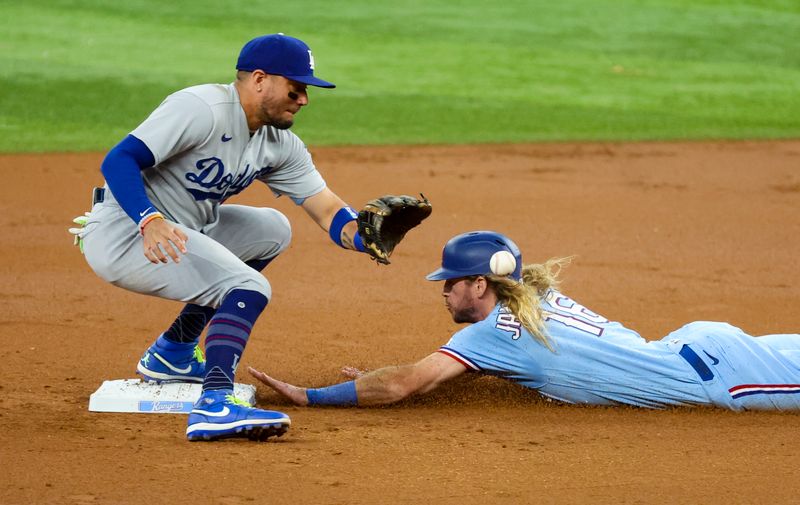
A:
x,y
129,153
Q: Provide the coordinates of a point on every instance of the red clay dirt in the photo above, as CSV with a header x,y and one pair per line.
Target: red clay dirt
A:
x,y
664,233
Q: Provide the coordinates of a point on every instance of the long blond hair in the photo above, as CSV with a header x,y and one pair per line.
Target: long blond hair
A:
x,y
523,299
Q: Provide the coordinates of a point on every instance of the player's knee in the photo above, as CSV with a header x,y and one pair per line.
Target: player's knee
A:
x,y
283,231
255,282
273,235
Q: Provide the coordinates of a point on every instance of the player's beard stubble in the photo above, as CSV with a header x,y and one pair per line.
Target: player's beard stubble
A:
x,y
277,115
462,313
281,123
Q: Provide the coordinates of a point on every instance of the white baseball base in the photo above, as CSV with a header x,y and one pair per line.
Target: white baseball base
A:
x,y
133,395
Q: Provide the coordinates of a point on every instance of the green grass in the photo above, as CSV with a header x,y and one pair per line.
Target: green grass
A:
x,y
78,75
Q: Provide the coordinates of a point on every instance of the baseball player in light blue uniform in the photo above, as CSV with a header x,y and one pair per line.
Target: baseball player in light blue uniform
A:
x,y
524,330
158,227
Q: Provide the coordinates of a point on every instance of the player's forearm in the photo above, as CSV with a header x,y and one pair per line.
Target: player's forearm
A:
x,y
380,387
121,169
322,207
386,385
333,215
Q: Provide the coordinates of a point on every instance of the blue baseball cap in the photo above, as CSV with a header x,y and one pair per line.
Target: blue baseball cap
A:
x,y
472,253
279,54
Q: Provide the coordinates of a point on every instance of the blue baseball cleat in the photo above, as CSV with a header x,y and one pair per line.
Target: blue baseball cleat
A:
x,y
167,361
218,414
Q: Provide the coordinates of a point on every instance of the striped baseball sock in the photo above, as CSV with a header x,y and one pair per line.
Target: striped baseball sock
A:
x,y
227,336
193,319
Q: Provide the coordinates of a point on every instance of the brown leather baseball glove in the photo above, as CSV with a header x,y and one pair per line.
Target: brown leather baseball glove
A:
x,y
384,221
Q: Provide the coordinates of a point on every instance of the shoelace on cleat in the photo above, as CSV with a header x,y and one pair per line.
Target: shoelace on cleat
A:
x,y
198,354
236,401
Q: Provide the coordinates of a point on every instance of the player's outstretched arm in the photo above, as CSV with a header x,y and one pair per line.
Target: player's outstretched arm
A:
x,y
376,229
379,387
392,384
333,215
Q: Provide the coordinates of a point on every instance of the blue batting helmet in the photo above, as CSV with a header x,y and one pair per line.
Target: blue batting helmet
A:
x,y
479,253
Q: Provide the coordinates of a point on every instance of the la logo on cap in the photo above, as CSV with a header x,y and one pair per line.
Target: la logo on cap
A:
x,y
280,54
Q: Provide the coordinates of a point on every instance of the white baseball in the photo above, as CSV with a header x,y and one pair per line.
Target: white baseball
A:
x,y
502,263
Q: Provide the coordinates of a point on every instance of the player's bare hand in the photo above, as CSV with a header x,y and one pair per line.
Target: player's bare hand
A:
x,y
162,237
352,372
297,395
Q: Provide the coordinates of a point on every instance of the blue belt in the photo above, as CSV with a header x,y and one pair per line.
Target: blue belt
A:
x,y
698,364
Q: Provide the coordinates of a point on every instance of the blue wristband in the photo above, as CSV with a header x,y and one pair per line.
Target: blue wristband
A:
x,y
340,394
339,221
358,244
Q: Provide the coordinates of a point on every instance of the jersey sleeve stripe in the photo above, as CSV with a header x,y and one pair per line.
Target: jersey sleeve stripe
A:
x,y
461,359
763,389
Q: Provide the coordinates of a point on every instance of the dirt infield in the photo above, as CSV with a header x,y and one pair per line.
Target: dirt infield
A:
x,y
665,233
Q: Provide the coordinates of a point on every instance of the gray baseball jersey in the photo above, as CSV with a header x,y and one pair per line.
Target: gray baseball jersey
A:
x,y
204,154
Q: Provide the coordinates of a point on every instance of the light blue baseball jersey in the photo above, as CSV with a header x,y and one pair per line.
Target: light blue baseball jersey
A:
x,y
596,361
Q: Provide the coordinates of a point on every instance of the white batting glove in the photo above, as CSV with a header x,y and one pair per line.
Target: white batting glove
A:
x,y
78,232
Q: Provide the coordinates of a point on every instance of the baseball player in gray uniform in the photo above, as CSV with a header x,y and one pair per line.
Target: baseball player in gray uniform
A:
x,y
158,226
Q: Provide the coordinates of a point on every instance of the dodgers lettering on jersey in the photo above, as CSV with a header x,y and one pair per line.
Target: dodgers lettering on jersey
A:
x,y
595,361
218,184
204,154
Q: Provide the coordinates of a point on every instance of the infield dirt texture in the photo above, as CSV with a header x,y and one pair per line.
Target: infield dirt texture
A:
x,y
665,233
